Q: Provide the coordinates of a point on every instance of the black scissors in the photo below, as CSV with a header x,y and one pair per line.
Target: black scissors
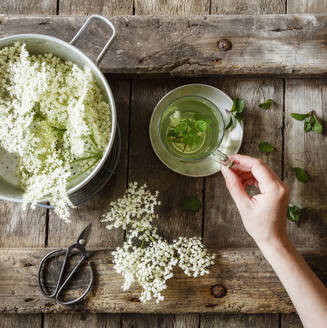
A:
x,y
80,246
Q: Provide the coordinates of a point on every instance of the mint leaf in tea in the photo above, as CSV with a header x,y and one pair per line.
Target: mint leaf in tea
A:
x,y
191,127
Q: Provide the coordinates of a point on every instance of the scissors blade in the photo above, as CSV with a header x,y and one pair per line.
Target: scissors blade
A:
x,y
83,238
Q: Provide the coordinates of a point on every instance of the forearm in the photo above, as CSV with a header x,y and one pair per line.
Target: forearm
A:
x,y
306,291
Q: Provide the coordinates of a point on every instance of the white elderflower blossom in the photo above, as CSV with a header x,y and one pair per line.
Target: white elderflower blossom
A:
x,y
54,118
146,258
193,258
150,267
135,210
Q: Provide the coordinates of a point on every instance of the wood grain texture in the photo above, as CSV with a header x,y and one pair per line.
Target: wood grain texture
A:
x,y
102,7
239,321
20,321
28,7
172,7
306,6
223,226
145,167
247,7
21,228
307,150
252,286
82,320
160,321
271,45
291,320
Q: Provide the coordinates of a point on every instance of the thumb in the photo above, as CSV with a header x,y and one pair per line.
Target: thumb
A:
x,y
235,186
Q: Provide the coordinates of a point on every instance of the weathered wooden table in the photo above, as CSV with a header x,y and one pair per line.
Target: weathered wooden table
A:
x,y
268,53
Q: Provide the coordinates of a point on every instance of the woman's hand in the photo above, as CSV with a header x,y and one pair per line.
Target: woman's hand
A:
x,y
263,215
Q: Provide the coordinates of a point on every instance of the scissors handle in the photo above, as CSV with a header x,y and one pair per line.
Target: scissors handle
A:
x,y
60,286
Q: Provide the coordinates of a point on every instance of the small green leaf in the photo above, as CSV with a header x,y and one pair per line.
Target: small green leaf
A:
x,y
300,117
316,127
266,147
191,204
181,127
241,106
233,109
294,213
202,125
301,174
238,105
230,123
266,105
307,125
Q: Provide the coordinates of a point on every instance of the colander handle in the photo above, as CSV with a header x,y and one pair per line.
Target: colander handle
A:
x,y
83,28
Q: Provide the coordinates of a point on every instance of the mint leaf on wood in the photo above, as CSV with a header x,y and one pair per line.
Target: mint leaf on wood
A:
x,y
311,121
191,204
316,127
294,213
266,147
300,117
266,105
301,174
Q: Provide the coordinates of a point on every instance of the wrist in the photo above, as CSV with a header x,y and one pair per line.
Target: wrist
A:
x,y
275,245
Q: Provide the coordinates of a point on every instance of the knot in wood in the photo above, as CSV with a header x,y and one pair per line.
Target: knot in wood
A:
x,y
224,45
218,291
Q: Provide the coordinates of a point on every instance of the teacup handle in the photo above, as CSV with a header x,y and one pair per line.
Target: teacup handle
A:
x,y
221,158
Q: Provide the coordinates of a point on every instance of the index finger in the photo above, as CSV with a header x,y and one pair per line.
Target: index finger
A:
x,y
262,173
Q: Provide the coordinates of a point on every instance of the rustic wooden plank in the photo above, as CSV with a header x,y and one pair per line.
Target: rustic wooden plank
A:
x,y
160,320
172,7
28,7
223,226
20,321
248,7
21,228
288,45
306,6
82,320
291,320
306,150
89,7
227,320
252,286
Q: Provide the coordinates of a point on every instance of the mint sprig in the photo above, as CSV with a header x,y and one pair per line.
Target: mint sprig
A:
x,y
236,112
311,121
188,132
294,213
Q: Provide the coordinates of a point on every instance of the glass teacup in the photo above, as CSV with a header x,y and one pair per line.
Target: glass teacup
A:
x,y
191,128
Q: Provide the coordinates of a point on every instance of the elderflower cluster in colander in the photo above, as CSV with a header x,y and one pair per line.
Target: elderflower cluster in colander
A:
x,y
54,118
145,257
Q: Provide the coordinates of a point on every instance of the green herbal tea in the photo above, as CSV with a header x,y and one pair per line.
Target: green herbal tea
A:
x,y
191,127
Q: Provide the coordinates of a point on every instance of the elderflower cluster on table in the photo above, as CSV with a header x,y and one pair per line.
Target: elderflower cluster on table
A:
x,y
54,118
145,257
